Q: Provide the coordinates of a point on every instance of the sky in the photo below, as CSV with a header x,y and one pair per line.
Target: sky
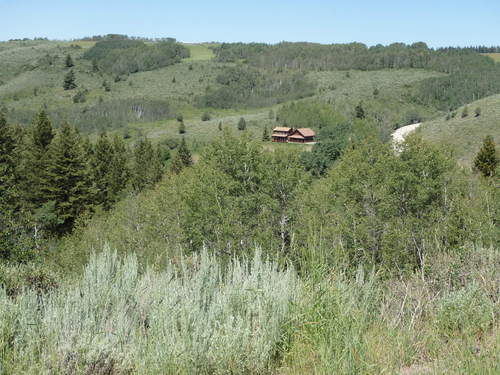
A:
x,y
436,22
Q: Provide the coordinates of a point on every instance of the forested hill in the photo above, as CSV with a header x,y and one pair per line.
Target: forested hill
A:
x,y
470,75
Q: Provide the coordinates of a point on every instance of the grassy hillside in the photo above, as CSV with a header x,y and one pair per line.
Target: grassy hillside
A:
x,y
465,134
494,56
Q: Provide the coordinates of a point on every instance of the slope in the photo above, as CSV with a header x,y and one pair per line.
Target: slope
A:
x,y
465,134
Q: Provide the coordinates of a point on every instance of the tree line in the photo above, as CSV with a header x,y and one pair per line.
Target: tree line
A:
x,y
52,177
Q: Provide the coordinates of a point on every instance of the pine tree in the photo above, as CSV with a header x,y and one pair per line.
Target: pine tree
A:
x,y
182,159
8,166
242,124
101,164
69,187
69,81
486,160
34,179
465,112
69,61
219,126
360,112
265,135
120,171
148,167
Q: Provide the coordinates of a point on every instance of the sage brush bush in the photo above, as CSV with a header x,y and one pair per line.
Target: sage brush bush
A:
x,y
194,317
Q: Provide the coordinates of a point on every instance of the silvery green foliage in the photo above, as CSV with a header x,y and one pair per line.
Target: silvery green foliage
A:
x,y
197,317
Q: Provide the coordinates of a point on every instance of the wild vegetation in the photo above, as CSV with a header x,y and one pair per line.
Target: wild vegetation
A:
x,y
148,225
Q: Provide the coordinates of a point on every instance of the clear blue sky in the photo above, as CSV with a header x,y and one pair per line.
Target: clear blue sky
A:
x,y
437,22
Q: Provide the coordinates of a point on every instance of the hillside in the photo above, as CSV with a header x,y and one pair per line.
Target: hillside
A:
x,y
465,134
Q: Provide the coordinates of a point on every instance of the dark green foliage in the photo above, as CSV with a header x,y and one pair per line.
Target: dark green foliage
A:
x,y
182,128
205,116
69,82
179,117
182,158
131,56
465,112
36,161
486,160
68,176
477,112
174,80
219,126
265,135
8,166
69,61
359,111
147,166
248,87
376,92
242,124
101,164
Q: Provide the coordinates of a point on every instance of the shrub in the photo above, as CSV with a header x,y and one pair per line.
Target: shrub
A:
x,y
196,317
206,116
467,311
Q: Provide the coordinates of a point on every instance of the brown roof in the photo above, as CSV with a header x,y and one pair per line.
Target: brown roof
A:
x,y
281,129
296,136
306,132
280,135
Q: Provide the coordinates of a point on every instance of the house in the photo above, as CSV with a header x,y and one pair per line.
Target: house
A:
x,y
301,135
280,134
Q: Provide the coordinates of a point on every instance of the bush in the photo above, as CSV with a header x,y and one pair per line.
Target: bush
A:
x,y
467,311
197,317
206,116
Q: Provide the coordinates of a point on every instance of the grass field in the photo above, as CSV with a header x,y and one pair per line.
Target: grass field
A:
x,y
200,51
465,135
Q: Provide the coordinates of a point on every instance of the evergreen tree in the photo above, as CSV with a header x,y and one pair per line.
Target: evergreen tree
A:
x,y
486,160
35,161
360,112
265,135
69,188
120,171
465,112
148,167
242,124
182,159
8,165
182,127
219,126
101,164
69,81
69,61
106,86
477,112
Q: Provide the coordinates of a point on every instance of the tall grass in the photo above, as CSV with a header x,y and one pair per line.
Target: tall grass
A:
x,y
193,317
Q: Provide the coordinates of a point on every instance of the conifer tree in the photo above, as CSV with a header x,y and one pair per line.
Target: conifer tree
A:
x,y
242,124
69,188
265,135
120,171
148,166
101,165
219,126
8,165
182,159
35,161
69,61
69,81
486,160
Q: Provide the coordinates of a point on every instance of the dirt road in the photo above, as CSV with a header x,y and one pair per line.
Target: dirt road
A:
x,y
399,135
